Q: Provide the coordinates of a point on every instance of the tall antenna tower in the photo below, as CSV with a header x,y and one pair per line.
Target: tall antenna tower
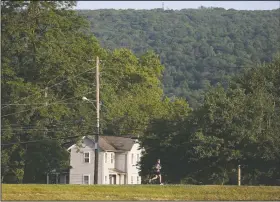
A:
x,y
162,3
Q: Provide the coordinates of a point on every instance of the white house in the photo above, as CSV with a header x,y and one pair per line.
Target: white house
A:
x,y
118,158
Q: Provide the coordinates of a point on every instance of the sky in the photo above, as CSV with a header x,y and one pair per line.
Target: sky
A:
x,y
177,5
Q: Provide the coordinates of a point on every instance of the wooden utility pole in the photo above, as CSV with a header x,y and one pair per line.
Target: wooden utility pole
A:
x,y
97,124
239,175
46,95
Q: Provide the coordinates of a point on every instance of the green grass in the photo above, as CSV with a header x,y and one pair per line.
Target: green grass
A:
x,y
138,192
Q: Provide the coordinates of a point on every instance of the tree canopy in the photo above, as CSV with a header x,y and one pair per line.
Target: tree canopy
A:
x,y
151,63
198,47
234,126
48,65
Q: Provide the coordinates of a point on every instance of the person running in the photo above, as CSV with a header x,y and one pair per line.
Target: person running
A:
x,y
157,172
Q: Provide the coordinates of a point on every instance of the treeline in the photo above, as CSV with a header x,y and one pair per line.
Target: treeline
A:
x,y
237,126
198,47
48,65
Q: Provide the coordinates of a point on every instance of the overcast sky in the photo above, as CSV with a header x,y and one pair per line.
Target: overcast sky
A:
x,y
238,5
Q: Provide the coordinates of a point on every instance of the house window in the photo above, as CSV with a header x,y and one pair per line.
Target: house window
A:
x,y
112,157
137,180
105,179
86,157
86,179
131,179
132,155
105,158
138,157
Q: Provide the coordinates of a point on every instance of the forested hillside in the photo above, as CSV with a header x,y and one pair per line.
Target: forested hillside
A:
x,y
198,47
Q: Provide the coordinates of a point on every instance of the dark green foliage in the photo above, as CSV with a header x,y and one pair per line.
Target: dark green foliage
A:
x,y
44,44
237,126
198,47
47,69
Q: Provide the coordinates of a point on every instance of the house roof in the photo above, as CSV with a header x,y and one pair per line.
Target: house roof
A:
x,y
114,170
115,143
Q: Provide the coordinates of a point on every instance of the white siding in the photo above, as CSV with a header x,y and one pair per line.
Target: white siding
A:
x,y
132,169
106,167
111,159
80,168
120,161
121,179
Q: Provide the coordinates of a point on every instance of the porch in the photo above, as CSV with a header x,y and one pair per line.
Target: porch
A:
x,y
117,176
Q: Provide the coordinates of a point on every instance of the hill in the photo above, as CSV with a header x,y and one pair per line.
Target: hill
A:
x,y
198,47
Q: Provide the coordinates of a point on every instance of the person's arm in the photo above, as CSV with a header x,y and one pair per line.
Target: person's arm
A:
x,y
158,166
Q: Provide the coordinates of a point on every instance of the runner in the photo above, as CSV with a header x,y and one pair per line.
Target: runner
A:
x,y
157,172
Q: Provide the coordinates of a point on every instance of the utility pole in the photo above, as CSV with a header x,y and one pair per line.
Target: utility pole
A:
x,y
239,175
97,124
46,95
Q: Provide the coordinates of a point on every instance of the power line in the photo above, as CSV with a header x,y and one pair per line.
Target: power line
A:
x,y
44,106
70,77
41,129
61,129
41,140
51,86
34,104
46,139
77,121
81,130
14,126
34,126
61,124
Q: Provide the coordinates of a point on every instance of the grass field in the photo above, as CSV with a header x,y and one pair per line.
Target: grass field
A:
x,y
138,192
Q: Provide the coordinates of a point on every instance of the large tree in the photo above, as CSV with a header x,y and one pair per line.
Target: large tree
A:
x,y
234,126
45,72
48,66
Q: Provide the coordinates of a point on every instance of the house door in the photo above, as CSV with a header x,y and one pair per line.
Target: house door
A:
x,y
113,179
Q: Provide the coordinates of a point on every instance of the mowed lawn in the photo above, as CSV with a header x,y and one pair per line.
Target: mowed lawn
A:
x,y
138,192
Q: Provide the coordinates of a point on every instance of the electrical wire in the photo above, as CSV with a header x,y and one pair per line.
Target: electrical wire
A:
x,y
51,86
60,129
54,131
65,130
59,123
36,104
50,104
46,139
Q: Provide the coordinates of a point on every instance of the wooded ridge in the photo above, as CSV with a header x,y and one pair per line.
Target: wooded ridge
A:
x,y
198,47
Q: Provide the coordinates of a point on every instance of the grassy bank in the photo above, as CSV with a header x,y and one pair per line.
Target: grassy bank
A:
x,y
138,192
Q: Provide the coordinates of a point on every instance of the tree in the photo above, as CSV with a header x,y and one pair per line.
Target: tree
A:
x,y
161,141
202,45
44,45
239,126
132,93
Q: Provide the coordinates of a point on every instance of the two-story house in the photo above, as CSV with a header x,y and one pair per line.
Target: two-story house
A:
x,y
118,158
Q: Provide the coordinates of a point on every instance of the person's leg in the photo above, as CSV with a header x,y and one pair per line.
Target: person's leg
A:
x,y
160,180
156,176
